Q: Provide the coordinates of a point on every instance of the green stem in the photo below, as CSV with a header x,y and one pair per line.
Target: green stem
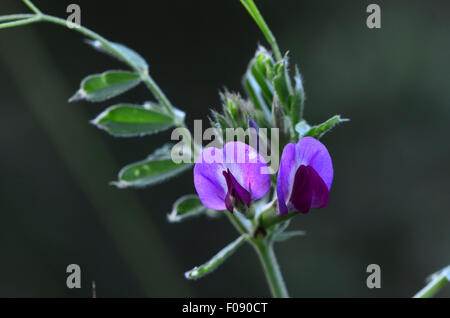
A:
x,y
12,17
264,249
32,7
19,22
158,93
256,15
433,287
237,223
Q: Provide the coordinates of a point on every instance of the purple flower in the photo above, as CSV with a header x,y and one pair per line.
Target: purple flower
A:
x,y
305,176
230,177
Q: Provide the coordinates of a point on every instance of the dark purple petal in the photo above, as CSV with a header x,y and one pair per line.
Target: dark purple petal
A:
x,y
301,196
311,152
235,191
239,192
254,135
228,197
309,190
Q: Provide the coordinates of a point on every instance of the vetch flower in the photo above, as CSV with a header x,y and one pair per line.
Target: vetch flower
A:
x,y
230,177
305,176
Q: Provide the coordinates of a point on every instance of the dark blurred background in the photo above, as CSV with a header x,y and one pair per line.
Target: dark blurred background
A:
x,y
390,202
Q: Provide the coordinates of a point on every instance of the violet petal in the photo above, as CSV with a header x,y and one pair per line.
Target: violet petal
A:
x,y
308,152
209,181
244,165
285,177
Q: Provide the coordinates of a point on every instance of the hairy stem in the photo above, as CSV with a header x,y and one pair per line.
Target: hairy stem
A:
x,y
236,223
264,249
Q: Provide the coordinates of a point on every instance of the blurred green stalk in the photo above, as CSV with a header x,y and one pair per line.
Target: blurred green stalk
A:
x,y
437,282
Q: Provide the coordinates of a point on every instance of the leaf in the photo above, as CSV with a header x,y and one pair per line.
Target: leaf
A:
x,y
264,62
221,121
277,114
257,80
298,99
284,236
185,207
282,83
133,58
158,167
255,93
320,130
216,261
126,120
100,87
264,84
